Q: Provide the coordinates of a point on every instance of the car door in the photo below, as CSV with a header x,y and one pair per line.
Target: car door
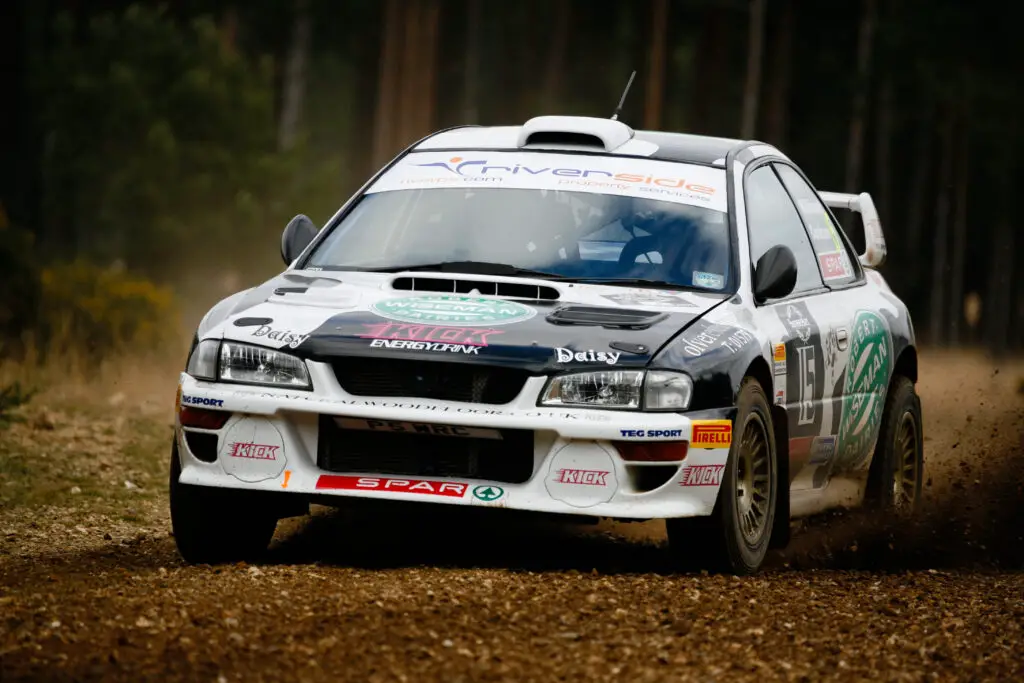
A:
x,y
857,344
799,327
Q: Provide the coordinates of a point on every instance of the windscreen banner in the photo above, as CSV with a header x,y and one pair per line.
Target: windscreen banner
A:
x,y
630,177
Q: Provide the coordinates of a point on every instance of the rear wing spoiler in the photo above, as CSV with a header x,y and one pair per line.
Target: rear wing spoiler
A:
x,y
874,252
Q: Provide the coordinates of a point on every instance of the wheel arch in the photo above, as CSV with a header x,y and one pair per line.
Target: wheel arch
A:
x,y
906,365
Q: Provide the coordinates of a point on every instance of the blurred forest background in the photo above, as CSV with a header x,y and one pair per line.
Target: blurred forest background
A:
x,y
154,151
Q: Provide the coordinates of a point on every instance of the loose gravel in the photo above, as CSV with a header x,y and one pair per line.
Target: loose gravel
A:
x,y
412,594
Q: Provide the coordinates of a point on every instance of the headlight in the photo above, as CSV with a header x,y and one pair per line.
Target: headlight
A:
x,y
257,365
621,389
213,360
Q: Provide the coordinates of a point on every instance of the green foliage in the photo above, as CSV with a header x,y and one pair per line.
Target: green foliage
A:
x,y
100,311
12,397
19,283
158,137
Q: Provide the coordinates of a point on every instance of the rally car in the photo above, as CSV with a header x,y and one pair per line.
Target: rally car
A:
x,y
571,317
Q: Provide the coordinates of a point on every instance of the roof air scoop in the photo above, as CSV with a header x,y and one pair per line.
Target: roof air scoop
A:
x,y
574,132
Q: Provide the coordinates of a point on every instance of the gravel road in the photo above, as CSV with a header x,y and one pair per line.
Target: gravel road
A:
x,y
87,594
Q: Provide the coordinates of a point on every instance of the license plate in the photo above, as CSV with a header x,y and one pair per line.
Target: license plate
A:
x,y
417,428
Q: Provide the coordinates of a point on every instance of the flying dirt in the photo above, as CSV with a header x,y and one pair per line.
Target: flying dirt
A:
x,y
91,587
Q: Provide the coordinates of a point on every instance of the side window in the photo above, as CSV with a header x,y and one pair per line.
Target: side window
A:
x,y
772,219
837,268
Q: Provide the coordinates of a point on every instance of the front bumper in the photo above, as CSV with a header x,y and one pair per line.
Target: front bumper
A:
x,y
270,443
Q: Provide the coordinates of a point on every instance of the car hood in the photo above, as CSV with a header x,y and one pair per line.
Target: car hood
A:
x,y
537,325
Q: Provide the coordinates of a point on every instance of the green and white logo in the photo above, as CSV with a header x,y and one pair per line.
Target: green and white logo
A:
x,y
488,493
867,376
458,311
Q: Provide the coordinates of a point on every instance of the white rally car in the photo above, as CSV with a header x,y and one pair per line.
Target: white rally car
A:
x,y
569,317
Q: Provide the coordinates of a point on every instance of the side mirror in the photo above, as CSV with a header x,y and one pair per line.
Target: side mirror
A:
x,y
774,274
297,235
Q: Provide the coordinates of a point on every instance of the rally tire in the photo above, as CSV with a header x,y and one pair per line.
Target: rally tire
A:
x,y
736,536
897,468
212,525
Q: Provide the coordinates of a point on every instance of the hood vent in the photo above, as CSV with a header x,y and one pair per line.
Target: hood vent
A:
x,y
511,290
611,318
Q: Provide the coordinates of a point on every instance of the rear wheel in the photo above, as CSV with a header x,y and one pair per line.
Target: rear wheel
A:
x,y
894,483
216,525
735,537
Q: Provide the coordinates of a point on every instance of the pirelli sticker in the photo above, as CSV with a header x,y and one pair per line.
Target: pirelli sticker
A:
x,y
711,434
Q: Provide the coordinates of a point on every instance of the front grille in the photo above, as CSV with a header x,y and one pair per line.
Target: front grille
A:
x,y
462,382
357,451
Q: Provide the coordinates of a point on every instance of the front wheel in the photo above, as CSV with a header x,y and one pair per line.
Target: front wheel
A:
x,y
216,525
735,537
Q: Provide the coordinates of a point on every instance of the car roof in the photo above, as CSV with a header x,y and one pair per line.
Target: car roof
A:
x,y
606,136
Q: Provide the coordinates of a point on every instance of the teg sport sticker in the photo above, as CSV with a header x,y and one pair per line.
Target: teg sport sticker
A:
x,y
867,374
253,450
459,311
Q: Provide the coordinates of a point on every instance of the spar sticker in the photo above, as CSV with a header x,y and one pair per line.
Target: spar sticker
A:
x,y
867,375
458,311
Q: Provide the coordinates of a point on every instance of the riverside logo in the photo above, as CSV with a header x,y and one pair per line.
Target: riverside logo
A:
x,y
477,168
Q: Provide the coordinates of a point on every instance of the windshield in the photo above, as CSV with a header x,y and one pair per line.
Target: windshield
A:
x,y
426,212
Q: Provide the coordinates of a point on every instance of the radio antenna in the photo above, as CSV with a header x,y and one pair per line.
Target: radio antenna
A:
x,y
622,100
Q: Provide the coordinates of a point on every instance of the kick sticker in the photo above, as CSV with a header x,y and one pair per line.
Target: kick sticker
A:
x,y
711,434
253,450
581,475
455,311
867,375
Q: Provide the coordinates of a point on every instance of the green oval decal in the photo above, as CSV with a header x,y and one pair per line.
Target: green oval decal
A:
x,y
867,376
458,311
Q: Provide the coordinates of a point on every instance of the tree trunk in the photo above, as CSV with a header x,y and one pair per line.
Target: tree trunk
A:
x,y
471,72
997,306
782,67
919,186
408,87
752,89
883,147
956,280
941,251
855,149
229,28
708,67
426,80
295,78
656,58
555,70
388,81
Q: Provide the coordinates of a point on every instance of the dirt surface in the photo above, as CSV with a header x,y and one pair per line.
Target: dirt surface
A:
x,y
91,587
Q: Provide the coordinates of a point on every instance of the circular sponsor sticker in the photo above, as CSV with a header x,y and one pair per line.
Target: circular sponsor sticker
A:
x,y
581,475
465,311
253,450
867,376
488,493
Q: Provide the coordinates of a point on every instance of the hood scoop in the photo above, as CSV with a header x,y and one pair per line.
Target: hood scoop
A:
x,y
610,318
511,290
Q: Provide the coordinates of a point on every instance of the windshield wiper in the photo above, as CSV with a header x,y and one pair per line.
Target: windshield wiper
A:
x,y
636,282
470,267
